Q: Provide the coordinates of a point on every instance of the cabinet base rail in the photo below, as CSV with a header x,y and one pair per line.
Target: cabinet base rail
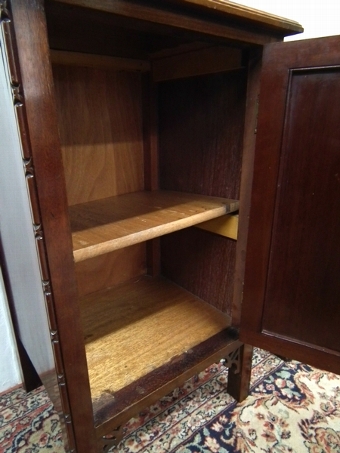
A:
x,y
112,439
231,359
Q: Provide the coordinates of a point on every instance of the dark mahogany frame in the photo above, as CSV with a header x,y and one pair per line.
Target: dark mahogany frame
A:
x,y
279,61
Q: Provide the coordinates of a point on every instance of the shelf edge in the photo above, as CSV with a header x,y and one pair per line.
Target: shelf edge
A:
x,y
152,233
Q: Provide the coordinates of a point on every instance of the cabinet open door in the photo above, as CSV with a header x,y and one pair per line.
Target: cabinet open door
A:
x,y
291,302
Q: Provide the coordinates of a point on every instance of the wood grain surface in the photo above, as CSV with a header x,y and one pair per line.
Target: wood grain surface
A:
x,y
130,329
143,339
226,226
201,121
65,325
197,62
200,140
87,60
214,18
202,263
111,411
248,155
101,132
102,226
304,267
111,269
226,7
292,285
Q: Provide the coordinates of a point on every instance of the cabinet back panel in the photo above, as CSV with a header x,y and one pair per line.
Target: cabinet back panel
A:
x,y
201,132
200,137
100,126
201,262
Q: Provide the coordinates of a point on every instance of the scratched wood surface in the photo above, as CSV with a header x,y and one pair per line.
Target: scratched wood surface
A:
x,y
148,313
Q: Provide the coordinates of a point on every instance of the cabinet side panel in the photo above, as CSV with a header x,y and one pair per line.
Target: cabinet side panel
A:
x,y
101,131
45,164
201,133
111,269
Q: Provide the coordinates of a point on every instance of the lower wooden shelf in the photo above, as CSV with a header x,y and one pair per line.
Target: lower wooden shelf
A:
x,y
141,334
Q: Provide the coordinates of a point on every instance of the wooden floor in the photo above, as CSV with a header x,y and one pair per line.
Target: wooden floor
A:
x,y
135,328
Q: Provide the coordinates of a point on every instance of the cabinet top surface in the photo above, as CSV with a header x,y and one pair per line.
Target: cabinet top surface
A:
x,y
220,9
225,7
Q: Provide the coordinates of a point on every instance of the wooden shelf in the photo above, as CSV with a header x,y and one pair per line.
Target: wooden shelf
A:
x,y
109,224
135,328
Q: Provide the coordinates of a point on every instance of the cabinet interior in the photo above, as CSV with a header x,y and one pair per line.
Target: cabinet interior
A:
x,y
151,138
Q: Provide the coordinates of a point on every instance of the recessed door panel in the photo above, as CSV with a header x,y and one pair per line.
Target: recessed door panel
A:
x,y
302,299
292,281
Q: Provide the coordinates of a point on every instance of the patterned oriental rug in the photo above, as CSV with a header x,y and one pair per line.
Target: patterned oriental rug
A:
x,y
292,408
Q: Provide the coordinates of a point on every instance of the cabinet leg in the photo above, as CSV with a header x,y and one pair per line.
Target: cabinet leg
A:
x,y
112,439
239,364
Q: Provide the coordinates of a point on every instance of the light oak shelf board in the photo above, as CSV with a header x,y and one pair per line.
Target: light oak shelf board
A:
x,y
109,224
135,328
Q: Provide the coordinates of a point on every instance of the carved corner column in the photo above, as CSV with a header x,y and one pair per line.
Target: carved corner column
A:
x,y
53,380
